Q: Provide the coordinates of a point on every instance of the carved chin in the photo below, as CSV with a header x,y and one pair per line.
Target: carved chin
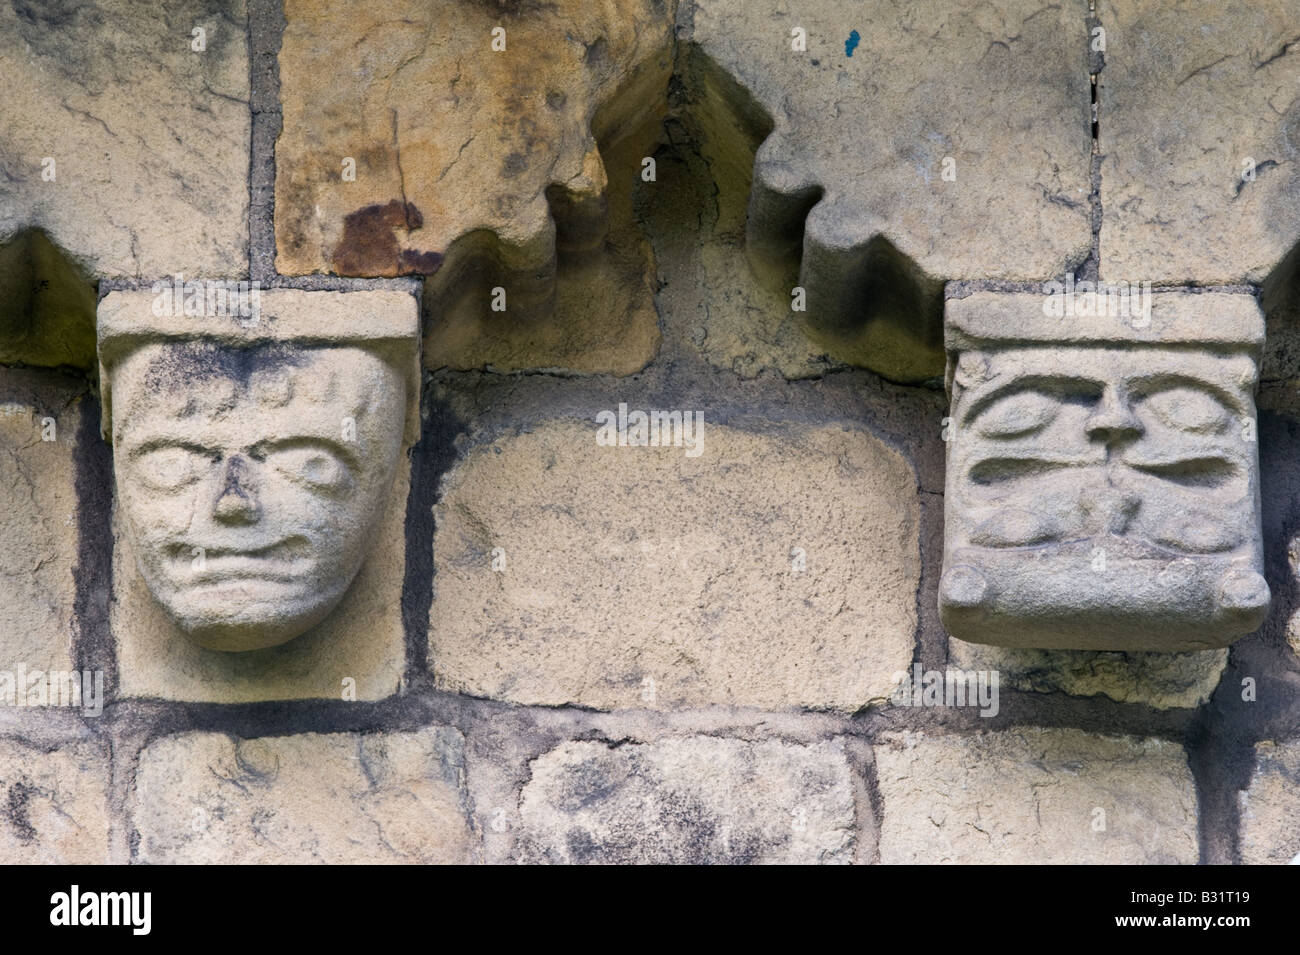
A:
x,y
249,615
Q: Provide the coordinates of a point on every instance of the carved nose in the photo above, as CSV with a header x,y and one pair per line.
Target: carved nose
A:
x,y
237,501
1112,423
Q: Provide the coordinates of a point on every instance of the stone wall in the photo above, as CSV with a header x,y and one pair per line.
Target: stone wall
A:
x,y
563,646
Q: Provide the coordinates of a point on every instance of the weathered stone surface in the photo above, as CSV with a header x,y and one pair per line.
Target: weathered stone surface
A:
x,y
449,136
1270,806
149,138
39,413
55,804
1103,480
745,328
694,800
1030,795
314,798
603,321
852,173
707,295
492,168
644,577
1161,680
261,489
1191,91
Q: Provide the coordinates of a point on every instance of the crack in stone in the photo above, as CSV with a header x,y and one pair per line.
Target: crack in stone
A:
x,y
401,176
1283,51
447,168
1202,69
1242,182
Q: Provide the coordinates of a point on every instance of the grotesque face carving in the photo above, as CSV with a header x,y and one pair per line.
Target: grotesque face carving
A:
x,y
250,479
1146,444
1102,496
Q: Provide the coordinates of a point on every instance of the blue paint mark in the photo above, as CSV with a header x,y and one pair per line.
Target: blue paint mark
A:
x,y
851,43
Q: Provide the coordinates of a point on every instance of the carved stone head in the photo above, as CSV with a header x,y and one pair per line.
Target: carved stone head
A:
x,y
252,463
1102,480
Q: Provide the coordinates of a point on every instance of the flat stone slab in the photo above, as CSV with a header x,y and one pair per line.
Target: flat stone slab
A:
x,y
694,800
333,798
1193,95
148,138
1035,796
774,569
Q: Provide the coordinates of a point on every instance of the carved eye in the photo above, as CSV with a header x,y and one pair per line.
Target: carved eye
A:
x,y
316,467
1189,409
1017,414
170,469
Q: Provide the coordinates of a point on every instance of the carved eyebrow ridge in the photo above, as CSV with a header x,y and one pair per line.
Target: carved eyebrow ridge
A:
x,y
339,449
258,450
1042,383
1174,379
159,442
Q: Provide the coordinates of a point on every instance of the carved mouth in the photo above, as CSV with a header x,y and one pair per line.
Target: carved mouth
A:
x,y
1205,470
1008,469
1195,472
281,562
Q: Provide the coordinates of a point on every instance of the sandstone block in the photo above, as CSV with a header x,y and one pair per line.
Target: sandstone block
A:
x,y
123,142
1031,795
315,798
1270,806
1161,680
494,147
56,804
1197,125
774,569
695,800
908,143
